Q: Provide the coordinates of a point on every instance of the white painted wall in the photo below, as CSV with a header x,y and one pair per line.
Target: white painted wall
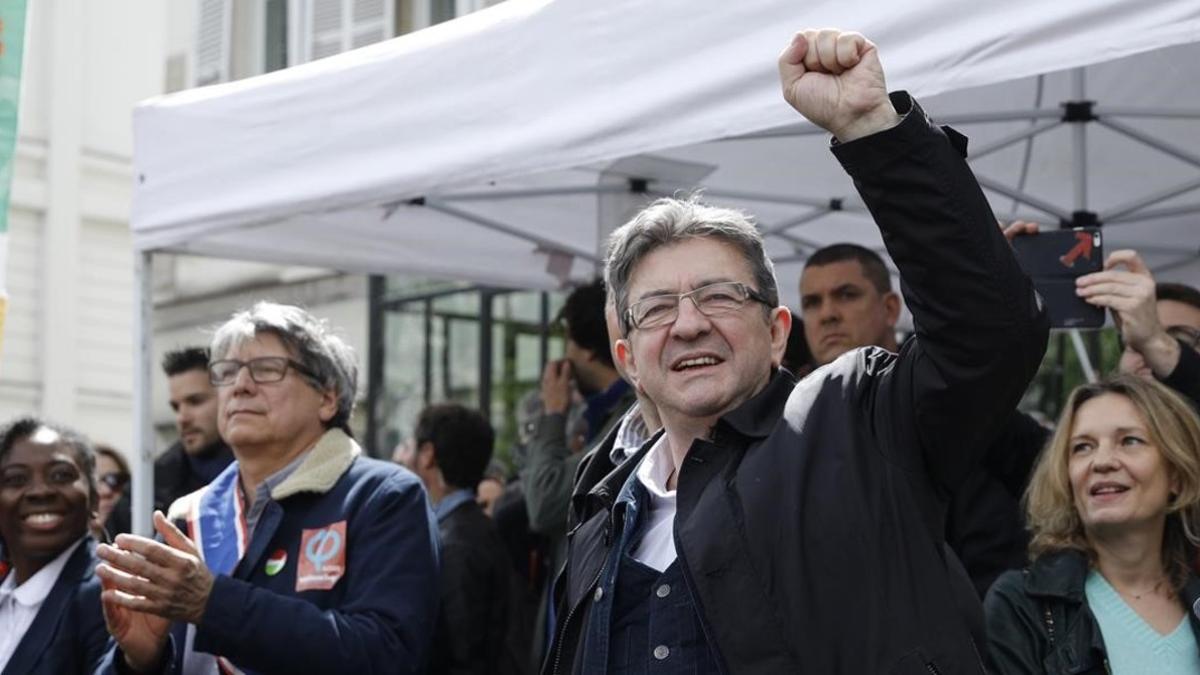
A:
x,y
67,351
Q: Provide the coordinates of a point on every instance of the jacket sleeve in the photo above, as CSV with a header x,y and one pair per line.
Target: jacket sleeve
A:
x,y
548,476
385,621
93,634
980,329
1011,456
1016,638
1185,379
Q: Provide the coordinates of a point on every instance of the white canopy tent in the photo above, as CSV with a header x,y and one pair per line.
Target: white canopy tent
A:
x,y
502,147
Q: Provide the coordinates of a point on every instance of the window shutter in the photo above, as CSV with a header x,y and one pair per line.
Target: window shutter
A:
x,y
214,30
335,26
372,22
326,23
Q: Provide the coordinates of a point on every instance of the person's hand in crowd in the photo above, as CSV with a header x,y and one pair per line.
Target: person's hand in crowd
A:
x,y
147,585
556,387
1018,228
1129,294
835,80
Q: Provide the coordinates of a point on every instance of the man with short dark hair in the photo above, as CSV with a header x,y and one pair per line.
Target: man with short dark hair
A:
x,y
451,448
847,301
199,455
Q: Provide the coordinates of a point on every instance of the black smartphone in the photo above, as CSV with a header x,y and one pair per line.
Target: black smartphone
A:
x,y
1054,259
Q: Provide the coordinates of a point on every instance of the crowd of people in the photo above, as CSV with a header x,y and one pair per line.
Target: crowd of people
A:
x,y
708,482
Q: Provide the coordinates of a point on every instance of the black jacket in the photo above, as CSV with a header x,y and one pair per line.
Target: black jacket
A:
x,y
984,524
809,526
1038,620
68,634
173,475
476,610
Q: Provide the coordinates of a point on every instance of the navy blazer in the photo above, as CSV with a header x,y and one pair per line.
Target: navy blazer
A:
x,y
68,634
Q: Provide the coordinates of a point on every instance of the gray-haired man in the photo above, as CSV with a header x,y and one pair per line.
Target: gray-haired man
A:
x,y
303,556
775,527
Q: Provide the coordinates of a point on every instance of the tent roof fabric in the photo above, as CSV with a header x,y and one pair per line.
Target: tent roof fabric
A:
x,y
502,147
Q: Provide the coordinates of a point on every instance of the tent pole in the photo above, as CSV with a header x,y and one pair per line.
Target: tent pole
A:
x,y
1151,214
376,353
1079,145
1017,137
1161,196
142,484
1081,352
564,191
765,197
512,231
795,222
1169,113
1023,197
1147,139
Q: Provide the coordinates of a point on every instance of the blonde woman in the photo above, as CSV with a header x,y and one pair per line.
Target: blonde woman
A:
x,y
1114,510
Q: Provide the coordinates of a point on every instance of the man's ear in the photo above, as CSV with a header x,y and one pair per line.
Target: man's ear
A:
x,y
891,305
623,351
329,404
781,327
426,456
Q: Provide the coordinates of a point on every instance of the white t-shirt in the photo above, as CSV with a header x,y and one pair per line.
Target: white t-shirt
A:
x,y
19,605
657,546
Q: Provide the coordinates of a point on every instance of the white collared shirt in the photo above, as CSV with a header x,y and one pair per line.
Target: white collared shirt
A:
x,y
19,605
657,546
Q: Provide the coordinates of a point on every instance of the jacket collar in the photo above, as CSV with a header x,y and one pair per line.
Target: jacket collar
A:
x,y
78,569
758,416
324,465
1058,575
755,418
612,483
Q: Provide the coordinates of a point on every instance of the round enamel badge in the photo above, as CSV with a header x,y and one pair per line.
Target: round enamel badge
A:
x,y
276,562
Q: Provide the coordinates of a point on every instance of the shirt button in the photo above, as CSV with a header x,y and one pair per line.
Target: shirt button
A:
x,y
598,594
663,591
661,652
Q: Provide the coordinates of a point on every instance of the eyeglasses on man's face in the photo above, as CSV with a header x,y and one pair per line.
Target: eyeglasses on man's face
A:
x,y
712,300
263,370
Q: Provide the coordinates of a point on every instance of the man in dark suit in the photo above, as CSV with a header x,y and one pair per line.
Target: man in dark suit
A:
x,y
451,448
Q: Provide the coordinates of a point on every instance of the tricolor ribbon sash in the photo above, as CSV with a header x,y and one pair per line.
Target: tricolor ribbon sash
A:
x,y
217,525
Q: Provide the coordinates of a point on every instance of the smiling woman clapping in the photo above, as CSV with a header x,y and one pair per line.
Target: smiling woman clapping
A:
x,y
1114,509
50,618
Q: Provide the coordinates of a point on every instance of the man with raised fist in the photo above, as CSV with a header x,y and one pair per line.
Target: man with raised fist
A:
x,y
775,527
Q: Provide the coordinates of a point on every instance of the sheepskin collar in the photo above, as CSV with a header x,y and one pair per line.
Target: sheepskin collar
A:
x,y
323,466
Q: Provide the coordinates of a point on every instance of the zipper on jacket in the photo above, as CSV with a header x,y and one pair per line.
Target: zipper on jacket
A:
x,y
562,636
933,670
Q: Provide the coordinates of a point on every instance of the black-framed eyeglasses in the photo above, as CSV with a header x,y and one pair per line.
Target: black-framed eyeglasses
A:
x,y
724,297
263,370
115,480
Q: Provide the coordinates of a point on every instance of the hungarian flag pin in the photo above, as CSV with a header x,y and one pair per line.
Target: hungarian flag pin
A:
x,y
276,562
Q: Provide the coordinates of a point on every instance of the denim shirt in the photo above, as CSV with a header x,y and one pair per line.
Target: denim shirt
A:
x,y
633,498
